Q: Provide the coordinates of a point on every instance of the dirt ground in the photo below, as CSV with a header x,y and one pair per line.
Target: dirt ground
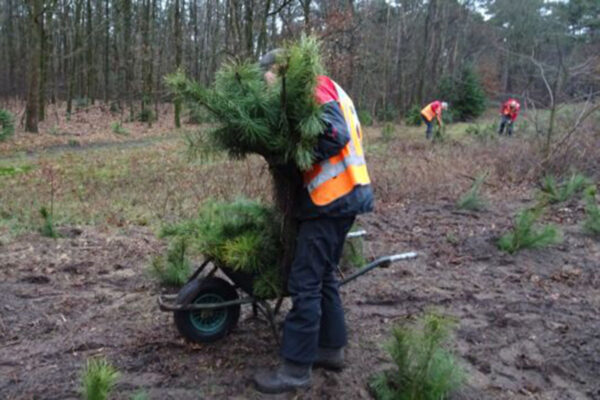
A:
x,y
529,326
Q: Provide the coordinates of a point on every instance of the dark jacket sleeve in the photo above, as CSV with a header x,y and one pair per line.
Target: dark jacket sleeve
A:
x,y
335,135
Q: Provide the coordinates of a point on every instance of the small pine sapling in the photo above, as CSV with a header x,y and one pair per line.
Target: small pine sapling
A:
x,y
365,118
425,367
413,116
98,379
553,192
119,129
525,235
146,115
173,269
472,199
591,225
47,228
388,131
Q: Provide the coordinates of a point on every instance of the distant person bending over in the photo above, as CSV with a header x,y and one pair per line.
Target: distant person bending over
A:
x,y
431,111
509,111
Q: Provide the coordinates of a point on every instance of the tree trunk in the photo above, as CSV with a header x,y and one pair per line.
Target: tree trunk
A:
x,y
128,54
33,92
287,187
91,69
10,32
177,27
43,67
425,51
106,51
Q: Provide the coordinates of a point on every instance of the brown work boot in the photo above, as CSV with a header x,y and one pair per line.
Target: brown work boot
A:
x,y
288,377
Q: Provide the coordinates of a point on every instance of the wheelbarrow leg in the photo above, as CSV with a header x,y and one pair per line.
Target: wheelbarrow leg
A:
x,y
267,311
278,305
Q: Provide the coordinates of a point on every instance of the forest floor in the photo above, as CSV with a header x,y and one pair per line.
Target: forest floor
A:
x,y
528,324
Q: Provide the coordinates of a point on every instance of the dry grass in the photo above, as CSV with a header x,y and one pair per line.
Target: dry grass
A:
x,y
120,186
152,182
87,125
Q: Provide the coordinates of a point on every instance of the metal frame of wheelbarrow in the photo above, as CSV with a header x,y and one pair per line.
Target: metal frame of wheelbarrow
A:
x,y
166,301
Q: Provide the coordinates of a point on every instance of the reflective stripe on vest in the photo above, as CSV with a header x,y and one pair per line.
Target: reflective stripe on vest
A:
x,y
335,177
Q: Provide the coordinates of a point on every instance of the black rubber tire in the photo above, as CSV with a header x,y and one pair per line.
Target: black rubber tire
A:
x,y
190,324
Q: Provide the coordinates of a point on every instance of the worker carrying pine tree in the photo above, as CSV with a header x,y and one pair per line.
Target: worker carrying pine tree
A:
x,y
431,111
336,189
509,112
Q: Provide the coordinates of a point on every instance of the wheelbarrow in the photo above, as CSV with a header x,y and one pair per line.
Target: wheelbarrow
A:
x,y
208,307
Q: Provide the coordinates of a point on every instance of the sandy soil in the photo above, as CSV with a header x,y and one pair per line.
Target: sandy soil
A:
x,y
529,324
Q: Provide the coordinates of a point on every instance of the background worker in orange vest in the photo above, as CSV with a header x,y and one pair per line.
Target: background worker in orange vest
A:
x,y
336,189
431,111
509,112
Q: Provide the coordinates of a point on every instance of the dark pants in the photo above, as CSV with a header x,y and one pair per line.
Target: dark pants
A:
x,y
506,121
429,127
317,317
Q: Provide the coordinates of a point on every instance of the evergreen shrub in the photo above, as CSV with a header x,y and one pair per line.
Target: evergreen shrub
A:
x,y
388,131
98,379
424,367
591,225
81,103
387,113
365,117
7,123
146,115
413,116
559,193
118,128
47,228
472,200
198,114
174,268
242,235
281,122
525,235
482,132
465,95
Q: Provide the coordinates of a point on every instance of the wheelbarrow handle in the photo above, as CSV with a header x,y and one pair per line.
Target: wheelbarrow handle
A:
x,y
380,262
356,234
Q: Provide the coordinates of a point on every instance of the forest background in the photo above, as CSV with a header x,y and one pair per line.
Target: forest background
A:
x,y
389,55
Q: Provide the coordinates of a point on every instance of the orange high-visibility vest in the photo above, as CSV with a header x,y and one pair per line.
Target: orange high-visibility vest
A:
x,y
335,177
428,111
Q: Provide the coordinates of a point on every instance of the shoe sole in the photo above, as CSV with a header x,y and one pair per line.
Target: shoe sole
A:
x,y
285,389
329,367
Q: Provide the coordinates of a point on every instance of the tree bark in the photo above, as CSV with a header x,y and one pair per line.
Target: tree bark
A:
x,y
177,29
33,92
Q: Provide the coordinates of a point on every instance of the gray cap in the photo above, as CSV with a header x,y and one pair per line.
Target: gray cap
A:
x,y
270,58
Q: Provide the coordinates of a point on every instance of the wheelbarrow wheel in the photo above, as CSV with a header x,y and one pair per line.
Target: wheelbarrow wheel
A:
x,y
205,326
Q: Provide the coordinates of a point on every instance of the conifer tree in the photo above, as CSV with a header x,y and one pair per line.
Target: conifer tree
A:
x,y
280,122
465,95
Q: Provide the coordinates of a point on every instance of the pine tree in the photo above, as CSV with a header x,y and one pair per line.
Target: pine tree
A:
x,y
465,95
280,122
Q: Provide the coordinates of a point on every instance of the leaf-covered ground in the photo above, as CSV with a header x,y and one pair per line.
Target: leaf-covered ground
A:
x,y
528,323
